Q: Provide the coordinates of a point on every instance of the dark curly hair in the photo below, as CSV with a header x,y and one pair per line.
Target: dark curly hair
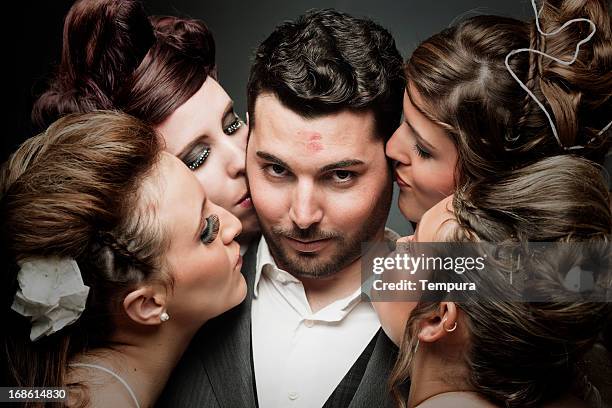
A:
x,y
327,61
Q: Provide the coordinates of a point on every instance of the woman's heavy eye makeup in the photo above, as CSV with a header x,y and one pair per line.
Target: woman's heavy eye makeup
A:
x,y
199,151
197,156
230,121
210,230
234,125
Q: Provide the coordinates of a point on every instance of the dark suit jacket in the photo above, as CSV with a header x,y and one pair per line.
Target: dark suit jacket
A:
x,y
217,368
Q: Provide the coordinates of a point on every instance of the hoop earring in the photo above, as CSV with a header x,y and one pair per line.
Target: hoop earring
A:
x,y
164,317
449,330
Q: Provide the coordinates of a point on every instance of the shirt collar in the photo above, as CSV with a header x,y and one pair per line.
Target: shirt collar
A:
x,y
264,258
265,264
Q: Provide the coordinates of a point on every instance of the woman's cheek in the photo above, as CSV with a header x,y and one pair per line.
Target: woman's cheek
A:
x,y
211,178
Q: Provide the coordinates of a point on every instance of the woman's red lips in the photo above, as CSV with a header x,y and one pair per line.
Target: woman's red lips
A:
x,y
245,201
242,198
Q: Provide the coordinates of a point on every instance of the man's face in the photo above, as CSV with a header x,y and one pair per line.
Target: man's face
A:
x,y
320,186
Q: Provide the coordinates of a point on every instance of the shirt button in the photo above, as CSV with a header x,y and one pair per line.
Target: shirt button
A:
x,y
308,323
293,396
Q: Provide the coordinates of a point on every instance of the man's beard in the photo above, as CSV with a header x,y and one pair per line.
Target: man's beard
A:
x,y
348,248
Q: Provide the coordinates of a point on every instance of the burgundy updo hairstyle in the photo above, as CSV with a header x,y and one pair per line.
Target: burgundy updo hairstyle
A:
x,y
116,57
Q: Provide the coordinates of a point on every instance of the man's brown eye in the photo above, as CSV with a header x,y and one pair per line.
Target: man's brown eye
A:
x,y
277,170
343,176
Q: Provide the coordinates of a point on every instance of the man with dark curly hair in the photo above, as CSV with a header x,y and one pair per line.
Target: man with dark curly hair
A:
x,y
324,95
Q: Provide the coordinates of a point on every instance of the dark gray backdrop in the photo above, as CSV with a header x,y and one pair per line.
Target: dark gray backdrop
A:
x,y
238,27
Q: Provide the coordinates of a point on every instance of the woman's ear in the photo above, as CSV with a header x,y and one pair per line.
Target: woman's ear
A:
x,y
435,327
145,305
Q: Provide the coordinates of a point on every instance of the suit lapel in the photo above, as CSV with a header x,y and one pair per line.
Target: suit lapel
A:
x,y
373,391
227,355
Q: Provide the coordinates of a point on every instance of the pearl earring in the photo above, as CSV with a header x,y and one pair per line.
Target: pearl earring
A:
x,y
164,317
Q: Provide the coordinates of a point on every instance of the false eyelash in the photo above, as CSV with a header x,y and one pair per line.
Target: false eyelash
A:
x,y
211,230
237,124
201,158
422,153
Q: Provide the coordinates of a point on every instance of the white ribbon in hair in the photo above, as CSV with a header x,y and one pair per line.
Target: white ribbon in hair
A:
x,y
560,61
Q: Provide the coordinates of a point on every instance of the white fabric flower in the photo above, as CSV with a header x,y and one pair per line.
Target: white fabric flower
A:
x,y
51,293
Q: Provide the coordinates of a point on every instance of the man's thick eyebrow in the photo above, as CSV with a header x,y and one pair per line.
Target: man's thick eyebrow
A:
x,y
271,158
418,136
341,164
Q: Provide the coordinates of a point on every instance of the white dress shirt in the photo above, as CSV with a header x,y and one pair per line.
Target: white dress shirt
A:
x,y
300,357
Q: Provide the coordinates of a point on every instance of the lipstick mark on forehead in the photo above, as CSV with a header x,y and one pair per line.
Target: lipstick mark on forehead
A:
x,y
314,147
313,144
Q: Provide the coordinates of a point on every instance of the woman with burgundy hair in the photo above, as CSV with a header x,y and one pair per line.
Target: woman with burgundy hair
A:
x,y
161,70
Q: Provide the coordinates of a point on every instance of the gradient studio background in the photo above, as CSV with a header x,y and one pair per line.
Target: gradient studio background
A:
x,y
238,27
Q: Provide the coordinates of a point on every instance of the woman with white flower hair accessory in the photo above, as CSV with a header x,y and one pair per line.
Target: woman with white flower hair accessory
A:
x,y
113,257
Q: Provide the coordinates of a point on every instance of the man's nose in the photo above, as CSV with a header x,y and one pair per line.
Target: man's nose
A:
x,y
305,207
